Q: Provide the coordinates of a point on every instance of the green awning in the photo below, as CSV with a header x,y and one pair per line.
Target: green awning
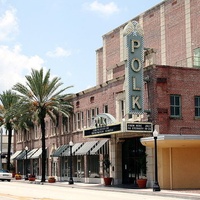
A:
x,y
15,154
58,152
21,155
99,146
75,147
86,148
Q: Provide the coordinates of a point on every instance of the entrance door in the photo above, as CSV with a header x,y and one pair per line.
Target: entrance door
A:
x,y
131,149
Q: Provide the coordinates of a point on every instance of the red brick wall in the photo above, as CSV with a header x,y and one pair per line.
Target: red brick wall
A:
x,y
112,45
152,32
175,32
102,96
181,81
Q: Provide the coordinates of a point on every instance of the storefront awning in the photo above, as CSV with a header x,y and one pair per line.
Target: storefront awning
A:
x,y
99,146
169,141
30,153
75,147
58,152
86,148
36,154
21,155
15,154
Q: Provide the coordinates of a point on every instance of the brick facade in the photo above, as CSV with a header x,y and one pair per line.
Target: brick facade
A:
x,y
171,34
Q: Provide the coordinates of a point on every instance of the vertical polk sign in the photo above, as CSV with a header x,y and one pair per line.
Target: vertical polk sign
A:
x,y
134,46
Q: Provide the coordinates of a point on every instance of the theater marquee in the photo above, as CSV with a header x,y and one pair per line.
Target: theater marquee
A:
x,y
105,125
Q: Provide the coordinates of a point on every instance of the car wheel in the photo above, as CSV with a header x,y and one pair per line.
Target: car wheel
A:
x,y
3,180
8,180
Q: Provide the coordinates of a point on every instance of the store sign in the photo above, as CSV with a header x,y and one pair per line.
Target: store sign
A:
x,y
139,127
134,47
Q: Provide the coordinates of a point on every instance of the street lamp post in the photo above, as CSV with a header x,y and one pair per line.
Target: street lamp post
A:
x,y
71,178
26,166
156,186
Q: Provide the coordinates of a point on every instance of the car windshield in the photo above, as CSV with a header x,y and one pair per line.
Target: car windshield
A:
x,y
4,170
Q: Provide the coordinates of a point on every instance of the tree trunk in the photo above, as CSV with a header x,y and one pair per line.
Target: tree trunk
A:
x,y
9,147
42,123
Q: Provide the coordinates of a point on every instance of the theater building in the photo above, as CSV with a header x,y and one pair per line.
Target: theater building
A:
x,y
147,77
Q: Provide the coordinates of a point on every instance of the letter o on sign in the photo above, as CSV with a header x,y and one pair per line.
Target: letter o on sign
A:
x,y
136,65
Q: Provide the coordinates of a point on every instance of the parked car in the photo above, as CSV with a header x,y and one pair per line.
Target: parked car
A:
x,y
5,175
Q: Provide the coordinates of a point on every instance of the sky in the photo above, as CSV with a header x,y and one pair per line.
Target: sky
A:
x,y
60,35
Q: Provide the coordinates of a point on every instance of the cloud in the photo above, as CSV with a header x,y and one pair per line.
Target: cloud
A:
x,y
58,52
8,25
104,9
15,65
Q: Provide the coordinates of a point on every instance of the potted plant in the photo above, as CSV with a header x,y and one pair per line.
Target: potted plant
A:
x,y
106,167
51,179
18,176
31,177
142,169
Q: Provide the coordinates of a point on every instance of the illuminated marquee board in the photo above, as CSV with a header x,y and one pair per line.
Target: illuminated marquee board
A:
x,y
143,127
102,131
133,37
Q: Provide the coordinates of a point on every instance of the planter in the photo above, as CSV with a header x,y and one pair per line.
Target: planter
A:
x,y
107,180
142,183
18,178
31,179
13,174
51,180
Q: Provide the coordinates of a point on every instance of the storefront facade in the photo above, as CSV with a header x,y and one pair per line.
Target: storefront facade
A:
x,y
170,99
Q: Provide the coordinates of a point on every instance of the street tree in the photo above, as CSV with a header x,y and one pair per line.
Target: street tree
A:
x,y
8,101
43,96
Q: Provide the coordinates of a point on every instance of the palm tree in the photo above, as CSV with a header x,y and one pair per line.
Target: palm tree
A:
x,y
40,96
8,99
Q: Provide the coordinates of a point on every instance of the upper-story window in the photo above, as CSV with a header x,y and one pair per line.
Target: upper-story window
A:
x,y
197,106
78,121
37,131
105,108
19,135
28,134
91,114
175,106
77,104
92,99
65,124
46,128
88,118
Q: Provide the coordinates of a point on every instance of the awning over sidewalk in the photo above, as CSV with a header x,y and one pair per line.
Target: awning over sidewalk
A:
x,y
58,152
86,148
30,153
15,154
99,146
170,140
36,154
21,155
75,147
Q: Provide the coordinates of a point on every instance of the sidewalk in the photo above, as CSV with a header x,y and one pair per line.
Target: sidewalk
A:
x,y
184,194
